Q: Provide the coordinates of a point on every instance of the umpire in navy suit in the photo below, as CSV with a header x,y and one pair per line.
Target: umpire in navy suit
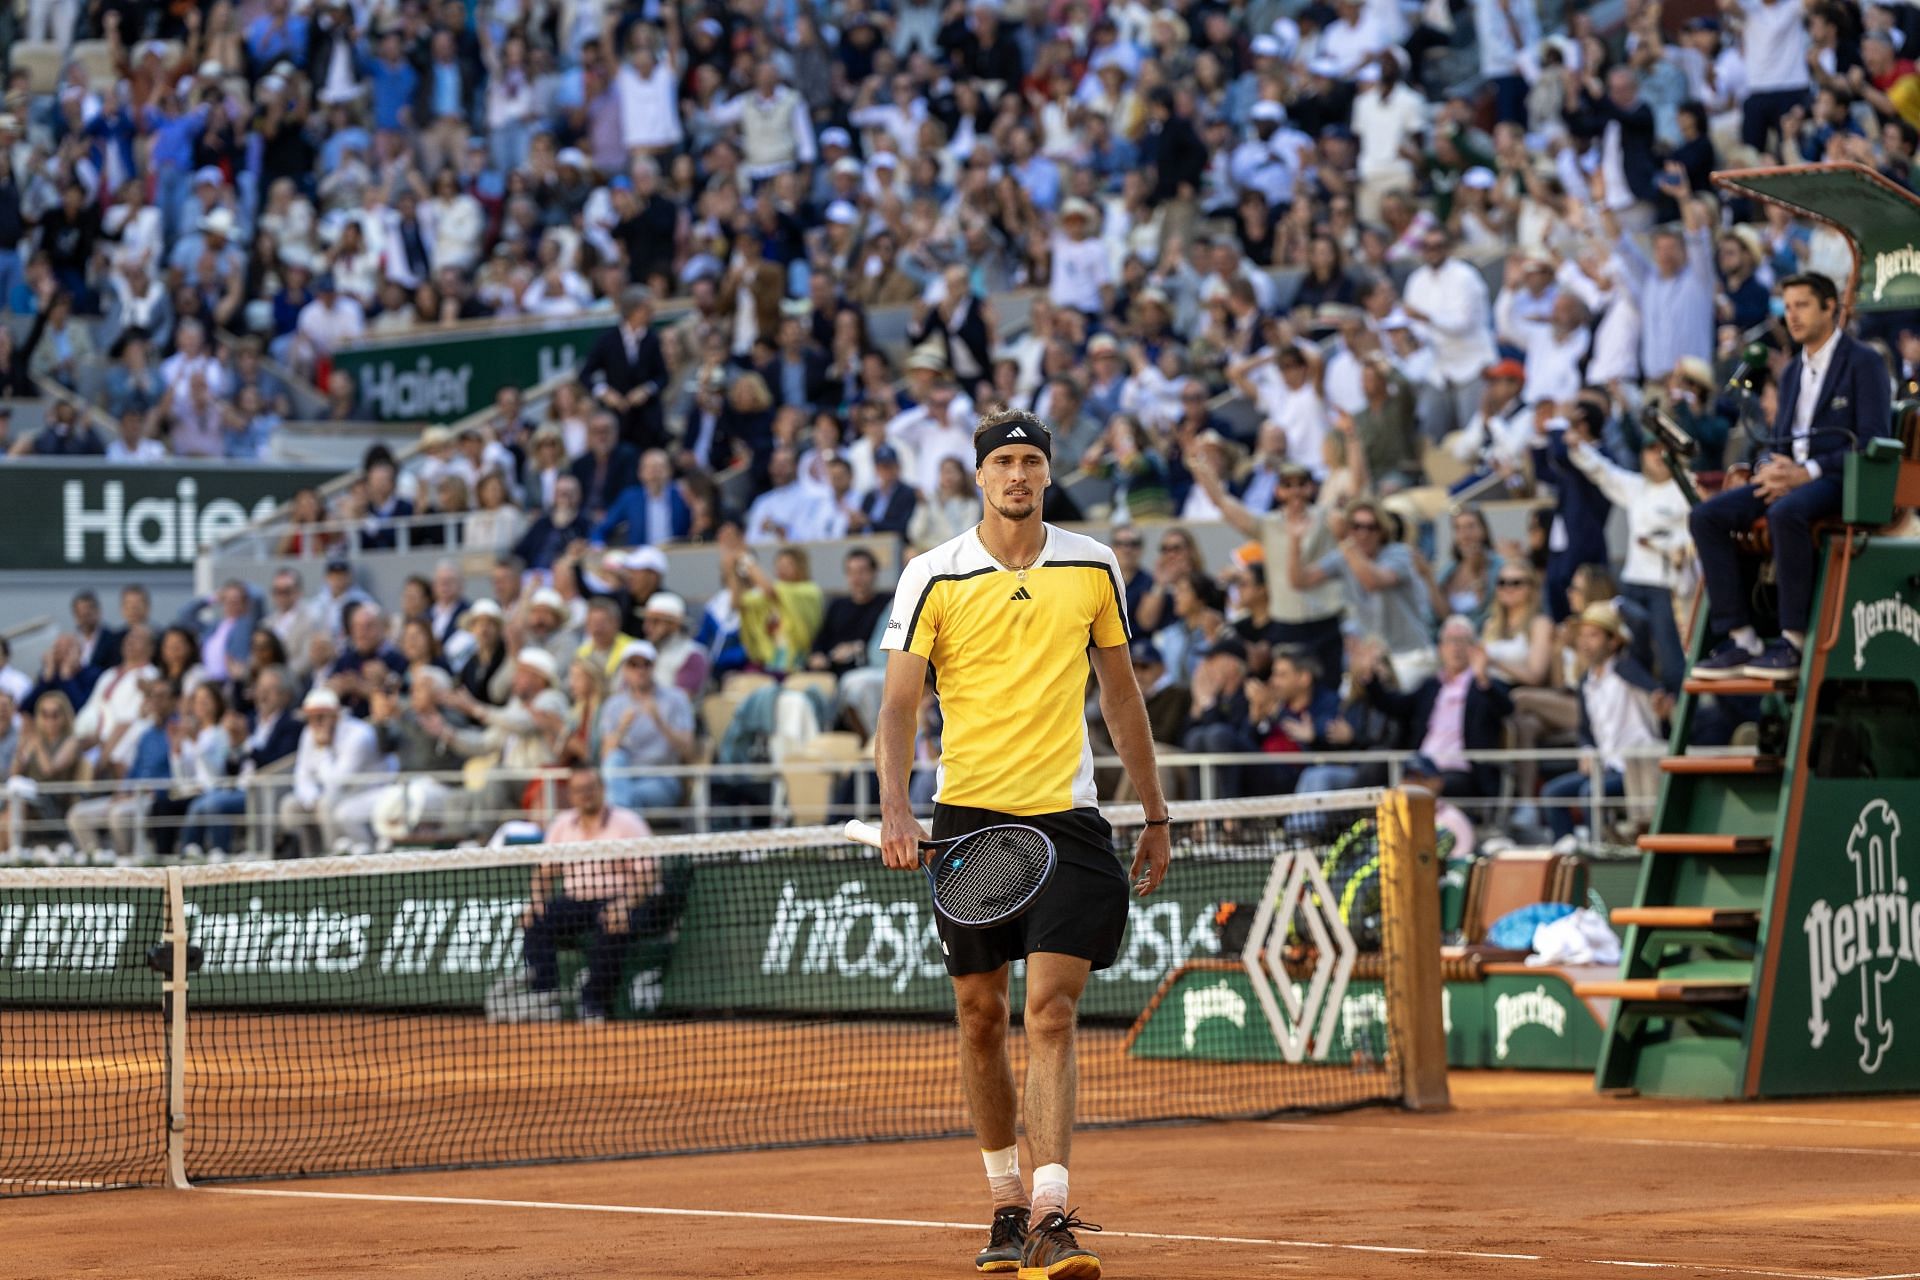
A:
x,y
1834,397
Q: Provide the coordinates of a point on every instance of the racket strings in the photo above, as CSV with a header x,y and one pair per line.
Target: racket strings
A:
x,y
993,875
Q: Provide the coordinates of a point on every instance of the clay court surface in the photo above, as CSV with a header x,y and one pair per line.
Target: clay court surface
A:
x,y
1533,1167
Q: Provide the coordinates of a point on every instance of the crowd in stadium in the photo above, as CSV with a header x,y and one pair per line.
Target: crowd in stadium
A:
x,y
1283,274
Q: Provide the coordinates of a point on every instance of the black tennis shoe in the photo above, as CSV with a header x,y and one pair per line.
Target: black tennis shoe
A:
x,y
1008,1239
1053,1252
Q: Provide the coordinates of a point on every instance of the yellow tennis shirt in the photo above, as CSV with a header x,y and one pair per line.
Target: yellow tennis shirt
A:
x,y
1009,659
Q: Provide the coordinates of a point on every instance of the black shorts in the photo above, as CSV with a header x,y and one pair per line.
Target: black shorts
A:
x,y
1082,913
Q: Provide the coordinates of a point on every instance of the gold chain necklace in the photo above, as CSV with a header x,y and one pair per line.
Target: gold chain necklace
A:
x,y
1019,571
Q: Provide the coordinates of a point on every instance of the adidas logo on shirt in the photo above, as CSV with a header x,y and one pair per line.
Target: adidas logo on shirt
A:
x,y
1021,594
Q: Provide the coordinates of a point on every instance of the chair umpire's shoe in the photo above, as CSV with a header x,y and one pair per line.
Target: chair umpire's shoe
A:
x,y
1778,661
1008,1238
1728,662
1053,1254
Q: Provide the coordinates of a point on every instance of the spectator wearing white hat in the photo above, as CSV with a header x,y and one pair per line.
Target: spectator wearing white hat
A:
x,y
677,660
1257,164
521,736
548,626
1080,270
337,754
644,724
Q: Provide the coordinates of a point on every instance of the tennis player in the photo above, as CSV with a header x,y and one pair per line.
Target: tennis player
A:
x,y
1008,614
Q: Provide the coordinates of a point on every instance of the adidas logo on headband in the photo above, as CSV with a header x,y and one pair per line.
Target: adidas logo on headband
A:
x,y
1016,434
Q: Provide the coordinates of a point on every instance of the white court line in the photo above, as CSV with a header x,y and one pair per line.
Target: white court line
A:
x,y
1813,1121
1450,1133
825,1219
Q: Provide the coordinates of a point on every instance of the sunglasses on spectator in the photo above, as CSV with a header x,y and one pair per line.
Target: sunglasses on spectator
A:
x,y
1127,544
1363,526
1516,582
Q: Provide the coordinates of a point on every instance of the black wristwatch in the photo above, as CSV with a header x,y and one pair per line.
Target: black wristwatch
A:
x,y
1159,822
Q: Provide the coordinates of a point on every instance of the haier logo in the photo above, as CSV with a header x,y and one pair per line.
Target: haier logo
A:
x,y
1872,935
152,531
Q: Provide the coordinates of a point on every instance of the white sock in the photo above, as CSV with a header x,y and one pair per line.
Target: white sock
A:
x,y
1798,639
1003,1176
1747,638
1049,1189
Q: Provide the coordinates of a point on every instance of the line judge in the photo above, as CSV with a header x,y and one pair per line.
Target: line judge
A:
x,y
1008,614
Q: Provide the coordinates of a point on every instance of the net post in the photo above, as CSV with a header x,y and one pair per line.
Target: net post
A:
x,y
1411,929
176,989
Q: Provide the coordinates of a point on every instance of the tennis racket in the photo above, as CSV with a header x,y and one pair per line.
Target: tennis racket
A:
x,y
983,878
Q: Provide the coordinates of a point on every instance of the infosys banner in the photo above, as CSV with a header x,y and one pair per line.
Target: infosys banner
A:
x,y
804,936
63,515
455,372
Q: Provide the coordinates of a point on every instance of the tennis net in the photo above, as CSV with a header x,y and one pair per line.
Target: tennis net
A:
x,y
772,988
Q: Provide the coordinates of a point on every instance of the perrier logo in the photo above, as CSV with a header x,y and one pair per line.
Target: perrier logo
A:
x,y
1873,935
1891,265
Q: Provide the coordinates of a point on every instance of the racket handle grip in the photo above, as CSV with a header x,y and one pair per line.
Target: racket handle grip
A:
x,y
863,833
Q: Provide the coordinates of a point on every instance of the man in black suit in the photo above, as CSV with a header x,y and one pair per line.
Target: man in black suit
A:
x,y
888,506
557,528
958,322
627,372
797,374
386,509
1591,109
1459,708
606,468
1834,397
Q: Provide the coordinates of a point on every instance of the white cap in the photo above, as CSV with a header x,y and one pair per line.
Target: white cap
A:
x,y
1267,109
481,609
573,156
540,660
211,70
209,173
1265,46
847,164
1075,207
884,160
321,699
218,222
835,136
668,605
638,558
640,649
842,214
1478,178
548,598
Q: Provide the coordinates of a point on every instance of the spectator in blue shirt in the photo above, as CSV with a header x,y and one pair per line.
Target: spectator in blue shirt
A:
x,y
394,82
276,35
